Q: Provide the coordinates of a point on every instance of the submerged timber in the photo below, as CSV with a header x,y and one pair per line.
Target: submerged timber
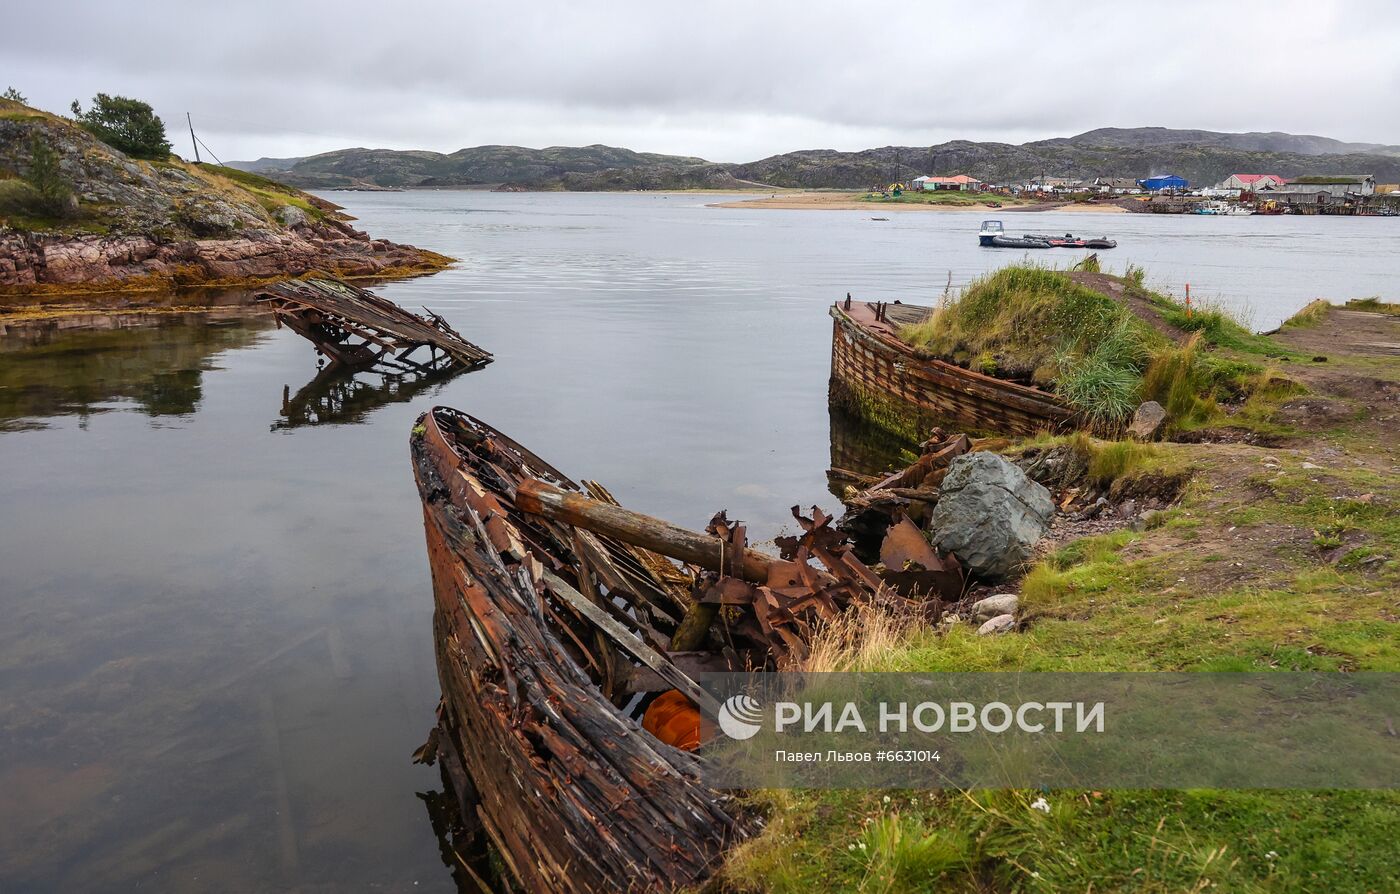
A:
x,y
878,376
357,329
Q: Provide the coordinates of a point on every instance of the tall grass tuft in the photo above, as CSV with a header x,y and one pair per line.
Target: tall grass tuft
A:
x,y
902,853
856,640
1310,314
1115,459
1175,379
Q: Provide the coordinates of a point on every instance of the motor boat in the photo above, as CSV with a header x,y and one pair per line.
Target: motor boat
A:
x,y
993,235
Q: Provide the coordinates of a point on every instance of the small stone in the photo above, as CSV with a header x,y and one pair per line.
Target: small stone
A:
x,y
1148,421
1311,466
1000,604
999,624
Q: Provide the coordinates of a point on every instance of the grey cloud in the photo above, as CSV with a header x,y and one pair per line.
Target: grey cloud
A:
x,y
729,80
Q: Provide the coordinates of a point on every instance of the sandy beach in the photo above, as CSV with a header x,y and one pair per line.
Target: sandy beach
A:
x,y
838,201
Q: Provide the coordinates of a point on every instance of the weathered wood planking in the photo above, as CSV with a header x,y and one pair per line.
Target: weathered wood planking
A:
x,y
869,361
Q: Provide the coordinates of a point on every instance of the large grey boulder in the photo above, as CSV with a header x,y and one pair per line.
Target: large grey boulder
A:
x,y
990,515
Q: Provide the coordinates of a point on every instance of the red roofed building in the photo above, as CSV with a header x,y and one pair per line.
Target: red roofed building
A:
x,y
1251,182
957,181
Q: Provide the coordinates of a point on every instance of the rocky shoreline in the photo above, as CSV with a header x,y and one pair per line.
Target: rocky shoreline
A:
x,y
51,263
152,225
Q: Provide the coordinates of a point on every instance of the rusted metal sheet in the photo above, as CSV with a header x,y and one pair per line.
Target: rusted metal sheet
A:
x,y
868,359
356,328
557,620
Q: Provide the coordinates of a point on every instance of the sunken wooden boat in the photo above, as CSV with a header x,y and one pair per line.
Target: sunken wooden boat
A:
x,y
881,378
560,624
357,329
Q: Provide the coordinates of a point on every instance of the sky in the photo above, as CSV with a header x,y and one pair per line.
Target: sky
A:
x,y
727,81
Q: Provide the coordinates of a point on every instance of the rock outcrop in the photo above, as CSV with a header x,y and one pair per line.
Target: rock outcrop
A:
x,y
990,515
33,261
150,223
1148,421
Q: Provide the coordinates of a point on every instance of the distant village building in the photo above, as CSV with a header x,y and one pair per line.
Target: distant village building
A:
x,y
1335,189
1163,183
1251,182
1118,186
1049,184
957,182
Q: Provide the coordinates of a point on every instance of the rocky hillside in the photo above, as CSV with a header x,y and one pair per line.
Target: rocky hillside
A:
x,y
480,165
1003,162
1273,141
1201,156
126,223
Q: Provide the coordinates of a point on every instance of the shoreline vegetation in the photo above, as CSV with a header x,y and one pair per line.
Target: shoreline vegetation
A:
x,y
79,217
1262,534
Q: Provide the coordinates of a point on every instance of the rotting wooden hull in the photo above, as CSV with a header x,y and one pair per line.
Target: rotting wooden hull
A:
x,y
571,793
877,376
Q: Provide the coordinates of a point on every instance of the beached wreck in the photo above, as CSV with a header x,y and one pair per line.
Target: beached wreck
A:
x,y
357,329
567,644
878,376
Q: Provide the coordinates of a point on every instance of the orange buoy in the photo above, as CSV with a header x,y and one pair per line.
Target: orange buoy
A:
x,y
673,720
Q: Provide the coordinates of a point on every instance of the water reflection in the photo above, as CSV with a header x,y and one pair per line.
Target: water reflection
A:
x,y
342,396
863,449
79,366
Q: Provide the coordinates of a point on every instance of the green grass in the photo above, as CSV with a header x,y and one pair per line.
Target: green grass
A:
x,y
269,194
21,208
1036,323
1114,460
940,197
1030,318
1148,842
1310,314
1166,599
1375,305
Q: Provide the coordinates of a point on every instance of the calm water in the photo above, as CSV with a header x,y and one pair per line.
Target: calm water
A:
x,y
216,658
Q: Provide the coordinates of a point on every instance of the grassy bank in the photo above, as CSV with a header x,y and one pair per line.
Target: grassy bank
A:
x,y
949,197
1275,558
1104,353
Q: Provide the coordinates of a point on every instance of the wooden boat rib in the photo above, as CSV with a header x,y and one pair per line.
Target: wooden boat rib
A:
x,y
572,793
869,362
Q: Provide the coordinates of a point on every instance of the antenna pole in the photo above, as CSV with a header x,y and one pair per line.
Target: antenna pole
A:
x,y
192,139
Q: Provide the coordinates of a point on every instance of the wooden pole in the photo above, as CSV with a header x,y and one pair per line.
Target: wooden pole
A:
x,y
195,142
544,499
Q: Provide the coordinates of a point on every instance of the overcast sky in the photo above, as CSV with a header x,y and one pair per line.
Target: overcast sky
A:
x,y
731,81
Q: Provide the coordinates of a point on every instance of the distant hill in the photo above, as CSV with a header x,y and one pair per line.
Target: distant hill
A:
x,y
1274,141
1201,156
481,165
1003,162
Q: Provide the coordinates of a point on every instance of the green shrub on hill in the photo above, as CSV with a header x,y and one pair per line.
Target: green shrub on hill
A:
x,y
126,124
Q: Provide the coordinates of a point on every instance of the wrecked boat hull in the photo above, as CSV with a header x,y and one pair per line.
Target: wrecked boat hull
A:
x,y
570,792
877,376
